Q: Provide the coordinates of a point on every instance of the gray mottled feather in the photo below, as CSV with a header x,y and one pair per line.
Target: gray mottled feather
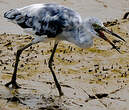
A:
x,y
49,19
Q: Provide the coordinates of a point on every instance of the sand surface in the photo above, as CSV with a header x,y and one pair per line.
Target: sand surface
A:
x,y
103,9
91,79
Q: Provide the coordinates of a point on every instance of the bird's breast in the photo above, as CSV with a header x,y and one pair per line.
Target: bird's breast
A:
x,y
67,36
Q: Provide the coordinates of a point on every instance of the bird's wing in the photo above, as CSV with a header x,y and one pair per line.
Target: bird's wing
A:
x,y
51,20
49,25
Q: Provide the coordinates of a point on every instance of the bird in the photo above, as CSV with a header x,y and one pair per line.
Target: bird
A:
x,y
50,21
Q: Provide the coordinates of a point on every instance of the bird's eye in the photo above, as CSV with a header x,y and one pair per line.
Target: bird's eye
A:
x,y
97,27
94,25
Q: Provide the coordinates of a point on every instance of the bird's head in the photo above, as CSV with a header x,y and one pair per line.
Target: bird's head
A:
x,y
14,16
97,29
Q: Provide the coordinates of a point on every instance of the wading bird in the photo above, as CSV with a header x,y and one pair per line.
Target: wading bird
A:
x,y
55,22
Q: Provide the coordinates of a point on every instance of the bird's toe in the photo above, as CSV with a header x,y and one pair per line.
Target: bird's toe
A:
x,y
14,84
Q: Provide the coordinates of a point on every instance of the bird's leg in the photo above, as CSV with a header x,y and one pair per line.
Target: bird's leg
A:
x,y
53,73
13,80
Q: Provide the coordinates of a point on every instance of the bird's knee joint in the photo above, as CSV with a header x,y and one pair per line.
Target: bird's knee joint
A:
x,y
50,64
19,52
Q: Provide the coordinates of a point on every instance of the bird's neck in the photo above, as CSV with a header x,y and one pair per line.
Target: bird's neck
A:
x,y
84,37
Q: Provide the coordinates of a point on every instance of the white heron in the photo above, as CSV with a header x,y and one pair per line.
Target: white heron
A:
x,y
52,21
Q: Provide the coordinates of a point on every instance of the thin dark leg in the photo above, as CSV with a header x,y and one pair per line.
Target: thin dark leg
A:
x,y
13,80
50,66
126,15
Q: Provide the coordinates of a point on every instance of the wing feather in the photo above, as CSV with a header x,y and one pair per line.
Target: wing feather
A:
x,y
51,19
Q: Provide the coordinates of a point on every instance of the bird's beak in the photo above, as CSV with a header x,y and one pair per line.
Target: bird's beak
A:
x,y
101,34
112,33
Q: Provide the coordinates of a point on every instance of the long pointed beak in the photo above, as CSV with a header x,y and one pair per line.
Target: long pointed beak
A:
x,y
101,34
99,29
112,33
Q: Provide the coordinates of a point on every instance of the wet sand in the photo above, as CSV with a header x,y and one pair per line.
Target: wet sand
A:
x,y
104,9
91,79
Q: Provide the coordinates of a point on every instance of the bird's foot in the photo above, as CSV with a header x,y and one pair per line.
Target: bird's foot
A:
x,y
14,84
